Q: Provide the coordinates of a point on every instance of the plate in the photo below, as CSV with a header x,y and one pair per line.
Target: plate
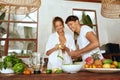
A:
x,y
102,70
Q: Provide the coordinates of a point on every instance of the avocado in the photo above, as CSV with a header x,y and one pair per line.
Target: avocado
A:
x,y
107,61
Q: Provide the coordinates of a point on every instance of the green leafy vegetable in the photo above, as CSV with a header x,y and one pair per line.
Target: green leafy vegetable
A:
x,y
13,62
19,67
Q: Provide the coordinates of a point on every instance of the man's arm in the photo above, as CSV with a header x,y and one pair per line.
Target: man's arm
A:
x,y
94,43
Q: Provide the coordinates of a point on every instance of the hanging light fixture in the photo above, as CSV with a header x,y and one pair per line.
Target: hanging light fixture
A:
x,y
21,6
111,9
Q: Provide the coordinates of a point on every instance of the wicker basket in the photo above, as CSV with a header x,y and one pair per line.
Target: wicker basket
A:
x,y
110,8
21,6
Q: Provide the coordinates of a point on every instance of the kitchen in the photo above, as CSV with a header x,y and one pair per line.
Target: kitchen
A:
x,y
108,29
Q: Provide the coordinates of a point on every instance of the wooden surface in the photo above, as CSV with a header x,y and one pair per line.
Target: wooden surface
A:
x,y
64,76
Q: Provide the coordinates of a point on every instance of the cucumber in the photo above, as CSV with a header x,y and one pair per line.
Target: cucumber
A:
x,y
107,61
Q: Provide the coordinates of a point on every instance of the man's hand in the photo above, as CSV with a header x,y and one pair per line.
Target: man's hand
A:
x,y
75,54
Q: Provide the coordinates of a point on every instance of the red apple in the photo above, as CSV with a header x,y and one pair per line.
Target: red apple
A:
x,y
89,60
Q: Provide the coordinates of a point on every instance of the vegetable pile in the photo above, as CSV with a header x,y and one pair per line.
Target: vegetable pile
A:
x,y
14,63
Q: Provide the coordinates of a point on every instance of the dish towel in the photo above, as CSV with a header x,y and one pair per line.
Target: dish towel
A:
x,y
57,60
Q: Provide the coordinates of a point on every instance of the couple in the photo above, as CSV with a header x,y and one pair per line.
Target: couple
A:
x,y
61,46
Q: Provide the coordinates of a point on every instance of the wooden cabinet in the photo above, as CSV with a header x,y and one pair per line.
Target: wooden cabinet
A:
x,y
21,31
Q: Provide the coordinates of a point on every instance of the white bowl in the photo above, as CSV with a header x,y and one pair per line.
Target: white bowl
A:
x,y
7,70
72,68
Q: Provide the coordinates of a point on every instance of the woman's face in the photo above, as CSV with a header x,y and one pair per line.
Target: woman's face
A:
x,y
59,27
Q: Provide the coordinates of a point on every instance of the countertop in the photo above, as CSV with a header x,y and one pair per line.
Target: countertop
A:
x,y
82,75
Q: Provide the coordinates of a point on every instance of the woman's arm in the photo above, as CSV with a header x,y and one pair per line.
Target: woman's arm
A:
x,y
52,50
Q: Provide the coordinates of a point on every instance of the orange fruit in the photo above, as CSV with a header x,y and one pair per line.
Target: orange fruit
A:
x,y
99,66
93,66
27,71
86,66
112,66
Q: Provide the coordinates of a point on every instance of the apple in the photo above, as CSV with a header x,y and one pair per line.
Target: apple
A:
x,y
89,60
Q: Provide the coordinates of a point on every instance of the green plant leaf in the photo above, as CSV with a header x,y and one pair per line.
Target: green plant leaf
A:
x,y
84,18
87,20
2,16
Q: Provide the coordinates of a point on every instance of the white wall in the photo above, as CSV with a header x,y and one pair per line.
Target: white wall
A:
x,y
108,28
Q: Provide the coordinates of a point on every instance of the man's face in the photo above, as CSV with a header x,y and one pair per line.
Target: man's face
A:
x,y
72,25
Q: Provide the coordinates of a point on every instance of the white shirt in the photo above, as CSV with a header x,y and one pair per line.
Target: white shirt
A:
x,y
82,42
53,60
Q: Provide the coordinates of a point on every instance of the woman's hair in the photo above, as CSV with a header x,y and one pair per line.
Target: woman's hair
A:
x,y
55,20
71,18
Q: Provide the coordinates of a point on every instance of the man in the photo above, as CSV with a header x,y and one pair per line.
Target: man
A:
x,y
86,40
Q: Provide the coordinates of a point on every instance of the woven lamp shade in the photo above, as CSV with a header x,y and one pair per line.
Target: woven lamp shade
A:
x,y
21,6
111,9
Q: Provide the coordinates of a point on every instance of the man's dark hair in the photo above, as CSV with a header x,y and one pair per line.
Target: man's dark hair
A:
x,y
71,18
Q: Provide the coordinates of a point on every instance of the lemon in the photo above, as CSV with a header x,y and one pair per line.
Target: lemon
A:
x,y
60,46
55,69
115,63
106,65
59,71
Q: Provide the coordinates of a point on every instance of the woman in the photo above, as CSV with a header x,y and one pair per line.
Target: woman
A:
x,y
59,45
86,40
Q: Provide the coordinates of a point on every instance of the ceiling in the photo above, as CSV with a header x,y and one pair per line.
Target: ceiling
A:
x,y
97,1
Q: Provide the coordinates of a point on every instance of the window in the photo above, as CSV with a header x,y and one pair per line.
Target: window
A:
x,y
18,33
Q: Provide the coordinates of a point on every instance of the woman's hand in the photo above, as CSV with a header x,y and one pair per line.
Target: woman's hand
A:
x,y
56,46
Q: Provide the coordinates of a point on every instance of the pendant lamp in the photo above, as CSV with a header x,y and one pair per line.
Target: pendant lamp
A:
x,y
21,6
111,9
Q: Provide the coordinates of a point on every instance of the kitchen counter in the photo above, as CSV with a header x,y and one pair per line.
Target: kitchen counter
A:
x,y
83,75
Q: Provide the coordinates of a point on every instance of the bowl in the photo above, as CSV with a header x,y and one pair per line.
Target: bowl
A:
x,y
72,68
7,70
